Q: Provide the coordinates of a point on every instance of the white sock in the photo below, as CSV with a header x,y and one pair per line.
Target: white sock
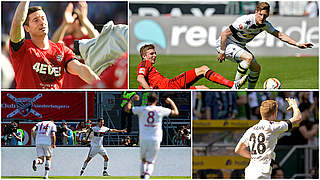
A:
x,y
39,161
149,169
47,167
253,79
143,168
105,165
242,70
84,165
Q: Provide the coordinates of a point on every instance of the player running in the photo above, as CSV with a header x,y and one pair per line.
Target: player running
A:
x,y
150,129
149,78
43,134
96,145
38,62
233,40
261,139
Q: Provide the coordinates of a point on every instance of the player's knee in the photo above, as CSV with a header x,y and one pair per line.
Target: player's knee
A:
x,y
202,70
248,58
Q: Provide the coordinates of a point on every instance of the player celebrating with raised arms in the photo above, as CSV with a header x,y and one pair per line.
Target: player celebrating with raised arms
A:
x,y
233,40
43,134
261,139
96,145
150,129
149,78
38,62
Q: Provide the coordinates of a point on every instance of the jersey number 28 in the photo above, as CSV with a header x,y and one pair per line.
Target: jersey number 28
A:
x,y
258,143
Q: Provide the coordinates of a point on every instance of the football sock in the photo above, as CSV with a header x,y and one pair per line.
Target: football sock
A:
x,y
143,168
217,78
39,161
253,78
242,70
47,167
149,169
105,165
84,165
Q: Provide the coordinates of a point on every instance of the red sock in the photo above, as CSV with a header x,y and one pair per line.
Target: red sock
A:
x,y
217,78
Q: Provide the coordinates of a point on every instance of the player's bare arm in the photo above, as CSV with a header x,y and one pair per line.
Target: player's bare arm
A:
x,y
83,12
17,32
285,38
241,149
142,81
118,131
83,71
174,109
297,117
224,36
53,139
67,19
33,133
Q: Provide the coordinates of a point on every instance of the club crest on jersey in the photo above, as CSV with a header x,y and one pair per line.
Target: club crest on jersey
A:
x,y
142,70
24,106
59,57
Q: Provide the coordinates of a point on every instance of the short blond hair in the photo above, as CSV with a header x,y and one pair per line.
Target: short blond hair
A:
x,y
145,48
263,6
268,108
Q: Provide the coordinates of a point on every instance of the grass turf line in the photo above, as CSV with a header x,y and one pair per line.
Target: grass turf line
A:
x,y
293,72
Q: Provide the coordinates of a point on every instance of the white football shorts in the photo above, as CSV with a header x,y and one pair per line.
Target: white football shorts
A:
x,y
149,150
44,150
233,51
94,150
257,172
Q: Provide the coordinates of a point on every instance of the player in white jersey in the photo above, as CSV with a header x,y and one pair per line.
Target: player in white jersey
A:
x,y
96,145
233,40
150,130
43,134
261,139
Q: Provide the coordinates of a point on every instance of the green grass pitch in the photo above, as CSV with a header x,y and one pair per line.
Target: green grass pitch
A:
x,y
293,72
94,177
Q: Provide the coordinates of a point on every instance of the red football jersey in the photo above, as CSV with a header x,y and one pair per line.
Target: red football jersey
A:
x,y
150,73
71,81
115,76
37,68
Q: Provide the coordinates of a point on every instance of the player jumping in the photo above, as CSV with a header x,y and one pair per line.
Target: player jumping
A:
x,y
149,78
96,145
261,139
233,40
150,130
43,134
38,62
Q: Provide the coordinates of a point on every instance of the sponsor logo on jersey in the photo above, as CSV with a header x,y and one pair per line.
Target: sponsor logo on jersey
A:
x,y
142,70
59,57
24,106
240,26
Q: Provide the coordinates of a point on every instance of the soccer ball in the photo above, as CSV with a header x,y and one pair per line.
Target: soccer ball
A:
x,y
272,83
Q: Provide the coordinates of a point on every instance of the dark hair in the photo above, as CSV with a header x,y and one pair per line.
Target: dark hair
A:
x,y
145,48
30,11
100,119
153,97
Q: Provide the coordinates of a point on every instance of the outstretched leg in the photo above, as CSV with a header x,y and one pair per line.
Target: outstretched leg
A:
x,y
85,165
105,167
213,76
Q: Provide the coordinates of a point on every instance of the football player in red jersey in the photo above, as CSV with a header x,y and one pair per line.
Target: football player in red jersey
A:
x,y
75,26
149,78
39,63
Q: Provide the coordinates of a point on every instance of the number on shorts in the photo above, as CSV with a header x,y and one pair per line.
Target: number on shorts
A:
x,y
150,118
260,146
